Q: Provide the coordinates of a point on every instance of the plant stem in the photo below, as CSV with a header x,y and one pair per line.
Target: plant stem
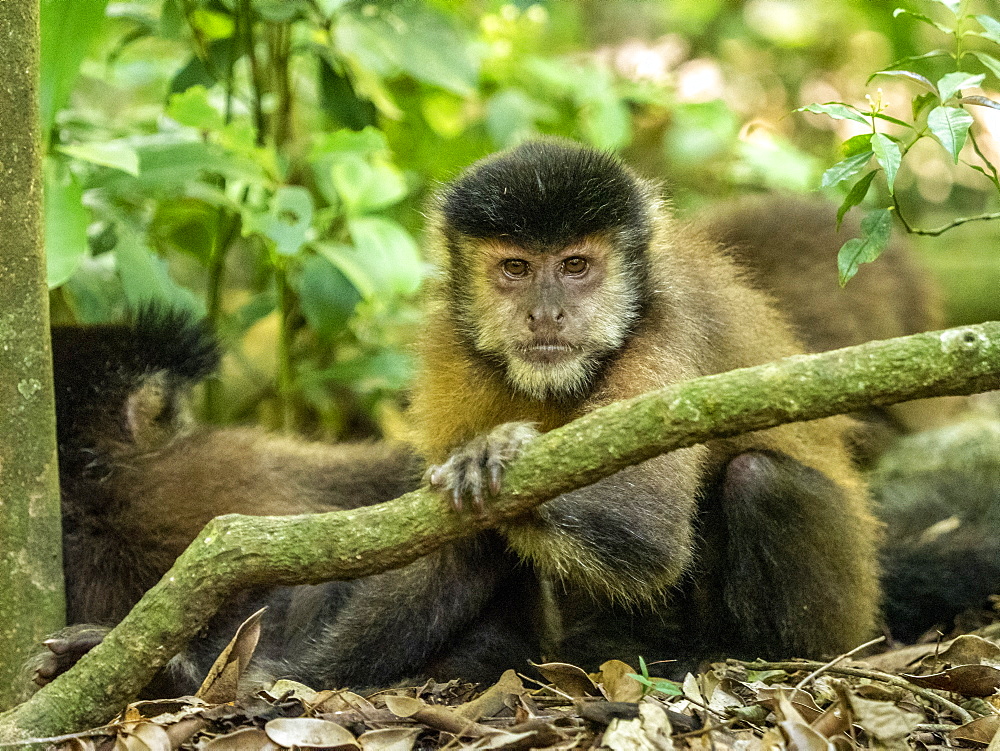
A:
x,y
286,303
875,675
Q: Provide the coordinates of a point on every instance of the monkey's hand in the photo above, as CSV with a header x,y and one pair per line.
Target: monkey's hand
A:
x,y
476,469
63,649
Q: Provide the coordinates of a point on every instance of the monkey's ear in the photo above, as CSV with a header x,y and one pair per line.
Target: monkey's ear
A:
x,y
155,411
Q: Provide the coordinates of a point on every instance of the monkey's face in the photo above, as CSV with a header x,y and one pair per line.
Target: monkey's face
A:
x,y
549,317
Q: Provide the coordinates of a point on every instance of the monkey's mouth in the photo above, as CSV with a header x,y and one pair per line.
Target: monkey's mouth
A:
x,y
547,353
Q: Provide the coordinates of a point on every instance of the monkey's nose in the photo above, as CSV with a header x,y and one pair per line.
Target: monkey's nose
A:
x,y
543,319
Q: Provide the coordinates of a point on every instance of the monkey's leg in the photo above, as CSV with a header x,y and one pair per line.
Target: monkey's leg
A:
x,y
399,624
791,570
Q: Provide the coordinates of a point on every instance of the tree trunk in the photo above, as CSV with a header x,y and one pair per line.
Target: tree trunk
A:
x,y
32,604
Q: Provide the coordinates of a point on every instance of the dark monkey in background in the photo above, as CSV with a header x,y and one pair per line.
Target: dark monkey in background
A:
x,y
140,478
788,244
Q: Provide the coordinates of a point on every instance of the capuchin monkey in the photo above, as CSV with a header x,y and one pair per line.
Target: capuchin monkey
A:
x,y
788,244
564,284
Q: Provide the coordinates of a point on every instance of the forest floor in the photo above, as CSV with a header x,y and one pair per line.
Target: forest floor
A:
x,y
942,695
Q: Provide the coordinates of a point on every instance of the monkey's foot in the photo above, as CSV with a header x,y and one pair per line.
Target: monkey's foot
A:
x,y
476,469
64,649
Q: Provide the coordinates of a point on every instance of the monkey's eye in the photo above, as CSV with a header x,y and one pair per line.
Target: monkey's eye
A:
x,y
575,265
515,268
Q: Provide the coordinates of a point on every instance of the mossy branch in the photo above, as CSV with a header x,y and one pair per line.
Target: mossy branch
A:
x,y
240,551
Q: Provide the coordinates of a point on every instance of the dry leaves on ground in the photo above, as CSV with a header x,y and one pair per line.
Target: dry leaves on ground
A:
x,y
929,697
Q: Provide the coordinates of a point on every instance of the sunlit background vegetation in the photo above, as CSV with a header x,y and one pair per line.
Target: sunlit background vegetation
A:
x,y
268,163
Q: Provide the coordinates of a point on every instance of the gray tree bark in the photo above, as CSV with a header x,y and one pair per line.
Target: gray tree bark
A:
x,y
31,568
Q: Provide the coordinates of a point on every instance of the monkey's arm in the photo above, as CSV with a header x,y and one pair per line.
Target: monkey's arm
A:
x,y
627,537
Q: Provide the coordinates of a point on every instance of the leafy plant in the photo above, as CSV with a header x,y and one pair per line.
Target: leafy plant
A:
x,y
939,110
266,166
659,685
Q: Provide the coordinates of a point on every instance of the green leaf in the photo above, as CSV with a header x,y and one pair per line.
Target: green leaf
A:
x,y
66,222
953,5
950,126
68,29
921,17
845,169
512,115
213,24
327,297
169,165
909,75
387,252
855,195
893,120
662,685
366,187
876,228
858,144
192,108
287,221
991,28
953,83
356,269
116,154
340,100
922,102
980,101
991,63
410,38
144,276
897,64
889,156
837,111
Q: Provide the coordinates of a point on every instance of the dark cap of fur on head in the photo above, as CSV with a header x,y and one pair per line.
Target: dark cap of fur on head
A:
x,y
97,368
548,194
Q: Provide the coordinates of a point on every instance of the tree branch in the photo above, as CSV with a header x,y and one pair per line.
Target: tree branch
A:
x,y
240,551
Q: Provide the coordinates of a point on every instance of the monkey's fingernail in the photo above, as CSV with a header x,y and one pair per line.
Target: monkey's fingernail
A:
x,y
496,474
456,499
434,476
56,646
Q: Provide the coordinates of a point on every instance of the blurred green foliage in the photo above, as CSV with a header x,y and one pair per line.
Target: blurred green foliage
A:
x,y
266,163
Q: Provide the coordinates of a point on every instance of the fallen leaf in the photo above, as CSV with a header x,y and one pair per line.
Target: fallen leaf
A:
x,y
982,730
389,739
802,701
650,731
569,679
616,681
494,699
970,650
968,680
220,685
434,716
247,739
306,732
883,720
403,706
